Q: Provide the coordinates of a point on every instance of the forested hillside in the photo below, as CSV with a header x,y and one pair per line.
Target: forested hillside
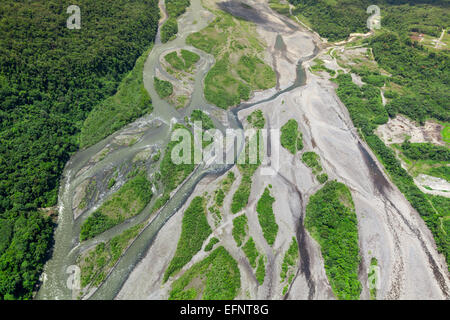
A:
x,y
50,79
336,19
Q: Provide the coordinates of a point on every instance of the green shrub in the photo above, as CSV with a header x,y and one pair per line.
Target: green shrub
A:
x,y
219,278
251,252
312,160
199,115
425,151
240,229
290,259
111,183
331,220
291,137
261,270
322,178
266,217
176,8
211,244
163,88
169,30
256,119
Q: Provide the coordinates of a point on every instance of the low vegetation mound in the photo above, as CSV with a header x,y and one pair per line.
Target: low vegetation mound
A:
x,y
131,198
291,137
266,217
194,231
239,68
331,220
217,277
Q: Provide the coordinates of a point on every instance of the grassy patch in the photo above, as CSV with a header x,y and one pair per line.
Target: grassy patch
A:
x,y
319,65
240,197
266,217
251,252
96,263
279,7
372,277
261,270
199,115
211,244
190,58
289,260
331,220
446,133
312,160
173,174
194,231
174,60
131,198
256,119
240,229
217,277
291,137
239,67
163,88
184,61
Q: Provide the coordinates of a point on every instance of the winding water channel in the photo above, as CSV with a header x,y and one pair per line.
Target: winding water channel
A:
x,y
67,247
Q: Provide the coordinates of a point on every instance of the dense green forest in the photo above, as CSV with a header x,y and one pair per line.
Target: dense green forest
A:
x,y
425,151
336,19
50,80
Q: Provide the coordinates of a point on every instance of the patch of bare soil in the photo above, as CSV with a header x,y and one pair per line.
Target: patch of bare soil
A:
x,y
401,127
